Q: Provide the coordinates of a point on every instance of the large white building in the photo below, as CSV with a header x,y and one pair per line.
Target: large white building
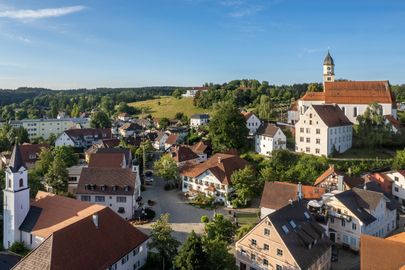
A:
x,y
360,211
268,138
353,97
197,120
322,130
65,233
83,137
45,127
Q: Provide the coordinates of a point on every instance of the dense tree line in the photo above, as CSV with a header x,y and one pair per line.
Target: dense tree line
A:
x,y
38,102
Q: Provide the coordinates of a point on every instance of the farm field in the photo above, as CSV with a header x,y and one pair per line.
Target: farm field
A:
x,y
168,107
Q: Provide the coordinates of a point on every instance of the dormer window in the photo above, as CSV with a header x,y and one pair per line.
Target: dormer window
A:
x,y
114,188
103,187
126,188
21,182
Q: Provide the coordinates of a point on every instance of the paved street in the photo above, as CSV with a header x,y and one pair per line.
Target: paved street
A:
x,y
183,217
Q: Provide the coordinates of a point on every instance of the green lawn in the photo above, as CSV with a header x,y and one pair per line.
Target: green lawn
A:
x,y
247,218
168,107
366,154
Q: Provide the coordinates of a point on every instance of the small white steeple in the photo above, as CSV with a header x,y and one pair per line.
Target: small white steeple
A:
x,y
16,198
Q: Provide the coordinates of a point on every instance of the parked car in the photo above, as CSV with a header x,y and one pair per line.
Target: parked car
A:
x,y
402,209
149,178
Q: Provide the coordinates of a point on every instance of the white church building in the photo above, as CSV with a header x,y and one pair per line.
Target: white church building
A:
x,y
353,97
45,223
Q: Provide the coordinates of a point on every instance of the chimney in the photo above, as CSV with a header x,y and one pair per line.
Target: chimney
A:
x,y
340,183
291,202
299,193
95,220
365,186
219,159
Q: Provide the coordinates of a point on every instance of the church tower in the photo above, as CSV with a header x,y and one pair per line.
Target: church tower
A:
x,y
16,198
328,69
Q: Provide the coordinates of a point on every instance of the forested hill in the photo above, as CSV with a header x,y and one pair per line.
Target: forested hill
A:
x,y
125,94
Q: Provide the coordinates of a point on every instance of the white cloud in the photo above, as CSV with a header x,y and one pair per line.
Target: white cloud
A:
x,y
231,3
246,11
30,14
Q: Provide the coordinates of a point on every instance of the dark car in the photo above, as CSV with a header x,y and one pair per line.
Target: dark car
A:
x,y
335,254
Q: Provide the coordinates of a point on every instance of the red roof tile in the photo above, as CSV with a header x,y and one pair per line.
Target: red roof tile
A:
x,y
106,160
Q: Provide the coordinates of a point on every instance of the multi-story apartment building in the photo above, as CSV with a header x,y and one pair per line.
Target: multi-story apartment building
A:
x,y
360,211
45,127
288,238
323,130
268,138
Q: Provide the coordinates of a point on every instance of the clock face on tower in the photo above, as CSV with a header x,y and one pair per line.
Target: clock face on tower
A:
x,y
328,68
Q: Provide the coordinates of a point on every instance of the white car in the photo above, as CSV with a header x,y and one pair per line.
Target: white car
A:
x,y
149,178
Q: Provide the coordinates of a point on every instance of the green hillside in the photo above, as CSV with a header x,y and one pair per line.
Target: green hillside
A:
x,y
168,106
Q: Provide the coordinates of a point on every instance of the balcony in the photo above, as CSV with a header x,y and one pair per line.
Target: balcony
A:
x,y
347,218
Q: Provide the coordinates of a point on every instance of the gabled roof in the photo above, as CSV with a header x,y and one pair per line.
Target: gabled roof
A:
x,y
110,143
382,254
332,115
247,114
300,241
220,165
350,181
111,181
16,161
360,201
200,116
267,129
394,122
49,213
107,160
130,127
82,245
80,133
125,151
200,147
277,194
183,153
172,139
314,96
30,152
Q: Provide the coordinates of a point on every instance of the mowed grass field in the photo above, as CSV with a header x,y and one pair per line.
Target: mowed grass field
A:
x,y
168,107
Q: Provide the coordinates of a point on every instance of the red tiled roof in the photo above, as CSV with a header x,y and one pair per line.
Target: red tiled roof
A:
x,y
314,96
394,122
82,245
246,114
183,153
106,160
381,254
350,181
221,166
277,194
107,177
199,147
172,139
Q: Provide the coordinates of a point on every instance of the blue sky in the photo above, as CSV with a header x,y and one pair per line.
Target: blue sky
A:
x,y
117,43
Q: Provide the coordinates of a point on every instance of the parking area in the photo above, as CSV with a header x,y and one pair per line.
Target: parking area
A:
x,y
183,217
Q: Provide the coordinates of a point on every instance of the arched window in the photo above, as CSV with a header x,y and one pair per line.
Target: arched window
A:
x,y
21,182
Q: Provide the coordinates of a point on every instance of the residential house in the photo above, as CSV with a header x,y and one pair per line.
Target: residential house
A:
x,y
45,127
172,140
124,117
129,130
334,179
393,123
382,254
106,143
278,194
359,211
323,130
212,177
194,90
116,188
183,154
62,230
29,154
288,238
293,114
118,150
252,122
202,149
197,120
82,138
353,97
268,138
160,140
391,182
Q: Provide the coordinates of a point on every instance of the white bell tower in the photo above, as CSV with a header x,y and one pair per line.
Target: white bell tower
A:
x,y
328,69
16,196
